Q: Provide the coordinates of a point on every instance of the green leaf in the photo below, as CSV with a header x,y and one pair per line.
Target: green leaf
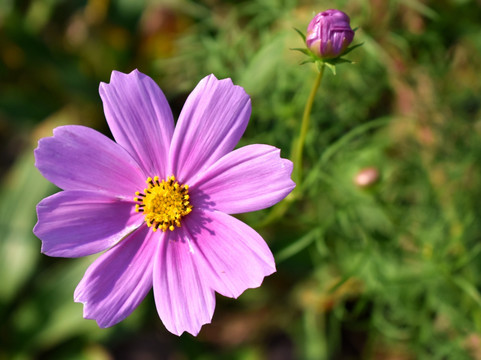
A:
x,y
263,66
299,244
19,249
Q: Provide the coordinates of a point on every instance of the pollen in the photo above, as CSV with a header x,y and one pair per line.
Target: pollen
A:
x,y
164,203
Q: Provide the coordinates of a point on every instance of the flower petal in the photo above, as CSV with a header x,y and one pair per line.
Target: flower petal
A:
x,y
117,282
232,255
250,178
140,119
183,300
80,223
210,125
80,158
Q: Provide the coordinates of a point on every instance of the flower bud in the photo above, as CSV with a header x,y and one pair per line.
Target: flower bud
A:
x,y
329,34
366,177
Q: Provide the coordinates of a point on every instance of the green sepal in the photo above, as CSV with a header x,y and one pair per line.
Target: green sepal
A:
x,y
337,61
330,63
349,49
302,50
330,66
301,34
307,61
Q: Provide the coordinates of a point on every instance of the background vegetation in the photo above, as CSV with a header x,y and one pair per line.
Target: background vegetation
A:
x,y
386,271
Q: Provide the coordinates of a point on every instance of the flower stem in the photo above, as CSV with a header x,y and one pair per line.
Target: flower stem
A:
x,y
305,127
280,209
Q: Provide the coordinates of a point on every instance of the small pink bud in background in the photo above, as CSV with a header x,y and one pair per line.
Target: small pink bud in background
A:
x,y
366,177
329,34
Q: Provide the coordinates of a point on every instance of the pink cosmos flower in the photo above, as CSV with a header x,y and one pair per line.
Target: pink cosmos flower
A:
x,y
158,198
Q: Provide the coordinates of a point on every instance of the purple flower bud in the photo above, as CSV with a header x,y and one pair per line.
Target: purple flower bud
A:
x,y
329,34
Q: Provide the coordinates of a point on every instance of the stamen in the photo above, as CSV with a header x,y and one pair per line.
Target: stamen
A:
x,y
164,203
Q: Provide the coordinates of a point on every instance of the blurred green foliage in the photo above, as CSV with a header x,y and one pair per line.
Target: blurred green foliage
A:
x,y
391,270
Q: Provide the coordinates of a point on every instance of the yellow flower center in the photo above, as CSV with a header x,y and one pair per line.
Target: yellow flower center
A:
x,y
163,203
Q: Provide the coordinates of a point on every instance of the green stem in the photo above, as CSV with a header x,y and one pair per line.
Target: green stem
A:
x,y
297,158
